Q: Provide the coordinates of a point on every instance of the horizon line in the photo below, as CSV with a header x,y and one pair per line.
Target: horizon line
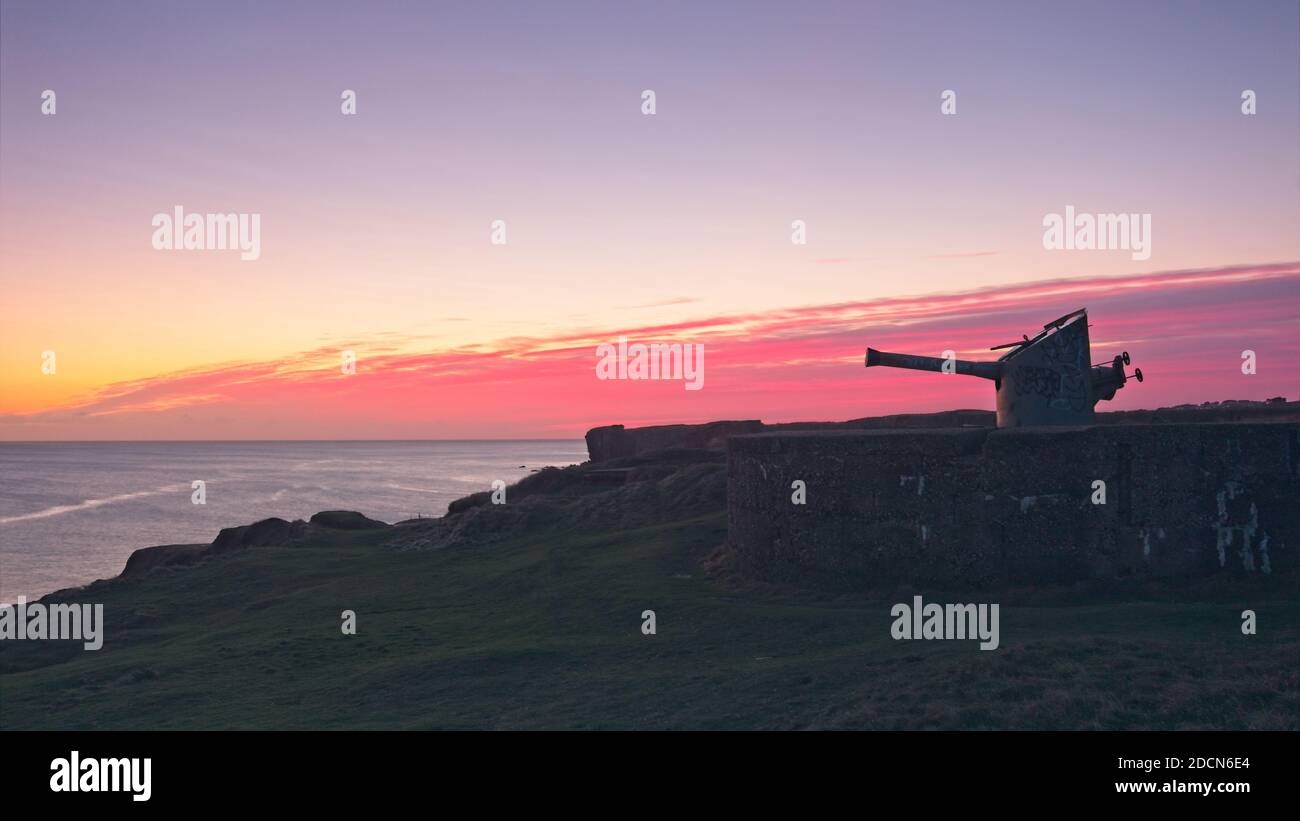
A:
x,y
253,441
1270,400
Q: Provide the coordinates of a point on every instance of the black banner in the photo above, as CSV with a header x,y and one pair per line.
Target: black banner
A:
x,y
330,769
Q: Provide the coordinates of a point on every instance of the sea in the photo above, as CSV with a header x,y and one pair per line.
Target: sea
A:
x,y
72,512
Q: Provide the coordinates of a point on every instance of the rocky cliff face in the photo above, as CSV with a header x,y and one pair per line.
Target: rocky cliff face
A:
x,y
616,442
911,496
271,532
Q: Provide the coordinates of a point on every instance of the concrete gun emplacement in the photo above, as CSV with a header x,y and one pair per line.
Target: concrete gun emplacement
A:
x,y
1047,380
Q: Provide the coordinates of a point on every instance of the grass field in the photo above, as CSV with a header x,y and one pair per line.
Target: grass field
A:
x,y
543,631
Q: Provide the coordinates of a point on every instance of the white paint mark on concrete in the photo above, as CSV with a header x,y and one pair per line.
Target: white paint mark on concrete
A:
x,y
1225,533
1248,533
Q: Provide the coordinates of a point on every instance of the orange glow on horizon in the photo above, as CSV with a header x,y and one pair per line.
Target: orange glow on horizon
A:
x,y
1186,329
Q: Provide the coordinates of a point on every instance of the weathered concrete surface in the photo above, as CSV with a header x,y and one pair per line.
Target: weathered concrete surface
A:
x,y
983,506
616,442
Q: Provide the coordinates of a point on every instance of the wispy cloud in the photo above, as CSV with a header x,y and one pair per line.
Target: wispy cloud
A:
x,y
963,255
1186,329
681,300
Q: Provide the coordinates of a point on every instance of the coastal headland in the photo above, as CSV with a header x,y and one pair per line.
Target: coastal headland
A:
x,y
529,613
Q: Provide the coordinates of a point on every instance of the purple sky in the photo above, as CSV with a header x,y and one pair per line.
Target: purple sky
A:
x,y
376,225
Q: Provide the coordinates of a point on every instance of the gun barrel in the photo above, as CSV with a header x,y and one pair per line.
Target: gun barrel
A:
x,y
984,370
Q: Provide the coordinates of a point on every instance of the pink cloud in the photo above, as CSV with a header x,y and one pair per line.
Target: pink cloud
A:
x,y
1185,329
963,255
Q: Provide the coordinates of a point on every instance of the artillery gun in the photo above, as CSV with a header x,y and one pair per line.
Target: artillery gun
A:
x,y
1046,380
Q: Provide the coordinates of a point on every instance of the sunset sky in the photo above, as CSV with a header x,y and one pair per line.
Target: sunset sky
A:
x,y
924,230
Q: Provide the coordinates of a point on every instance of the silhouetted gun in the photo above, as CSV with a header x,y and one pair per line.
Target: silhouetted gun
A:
x,y
1047,380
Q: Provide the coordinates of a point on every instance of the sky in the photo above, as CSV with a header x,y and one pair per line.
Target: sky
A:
x,y
924,230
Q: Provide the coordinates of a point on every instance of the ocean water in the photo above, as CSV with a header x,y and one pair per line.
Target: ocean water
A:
x,y
73,512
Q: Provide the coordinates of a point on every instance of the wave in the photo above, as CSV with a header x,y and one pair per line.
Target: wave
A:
x,y
90,503
414,489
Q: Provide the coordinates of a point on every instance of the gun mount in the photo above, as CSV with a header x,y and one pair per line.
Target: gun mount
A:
x,y
1046,380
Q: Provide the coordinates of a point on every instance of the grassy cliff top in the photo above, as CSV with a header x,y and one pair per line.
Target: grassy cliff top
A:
x,y
529,614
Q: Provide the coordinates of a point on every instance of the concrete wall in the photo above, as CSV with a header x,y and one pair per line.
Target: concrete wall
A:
x,y
980,506
617,442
